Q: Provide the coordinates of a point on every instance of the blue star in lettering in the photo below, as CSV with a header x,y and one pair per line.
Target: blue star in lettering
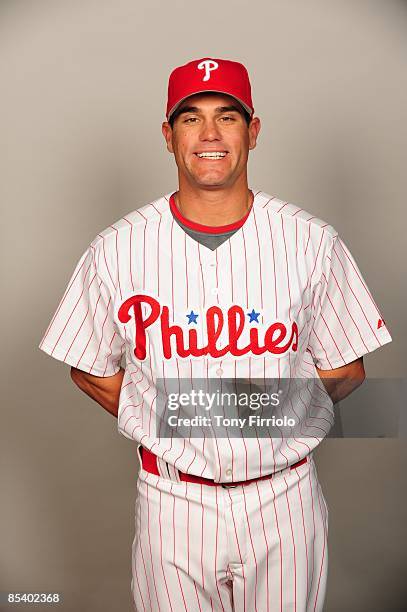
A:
x,y
254,316
192,317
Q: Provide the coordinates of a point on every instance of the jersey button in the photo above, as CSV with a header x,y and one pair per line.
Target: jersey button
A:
x,y
219,371
228,472
214,291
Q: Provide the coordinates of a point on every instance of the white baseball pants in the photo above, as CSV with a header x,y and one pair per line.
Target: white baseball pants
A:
x,y
261,547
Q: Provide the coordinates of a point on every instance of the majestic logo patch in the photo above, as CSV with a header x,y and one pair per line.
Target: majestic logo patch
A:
x,y
277,338
208,66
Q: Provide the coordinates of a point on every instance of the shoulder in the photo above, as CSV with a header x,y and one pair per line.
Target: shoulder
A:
x,y
113,247
294,218
131,223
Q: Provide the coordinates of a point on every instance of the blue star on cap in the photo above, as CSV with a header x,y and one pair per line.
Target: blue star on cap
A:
x,y
254,316
192,317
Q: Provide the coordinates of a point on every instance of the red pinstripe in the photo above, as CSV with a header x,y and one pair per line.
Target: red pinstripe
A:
x,y
144,247
106,264
274,264
216,548
186,269
69,318
139,589
267,549
93,331
338,318
187,500
347,255
65,296
109,354
254,552
323,552
296,237
202,276
309,236
101,338
172,271
346,306
145,570
131,252
294,549
330,333
81,325
258,441
287,271
161,551
305,532
117,261
356,298
231,270
173,558
245,267
268,201
280,544
158,257
258,244
313,523
196,593
177,460
243,439
283,206
315,261
151,554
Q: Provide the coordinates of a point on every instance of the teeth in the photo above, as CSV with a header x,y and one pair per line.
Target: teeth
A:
x,y
212,154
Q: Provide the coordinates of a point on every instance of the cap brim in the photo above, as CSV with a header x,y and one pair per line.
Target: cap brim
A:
x,y
225,93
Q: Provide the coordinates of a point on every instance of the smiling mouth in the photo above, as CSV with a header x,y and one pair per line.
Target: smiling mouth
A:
x,y
211,154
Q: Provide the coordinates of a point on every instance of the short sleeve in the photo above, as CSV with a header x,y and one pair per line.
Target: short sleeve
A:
x,y
82,332
346,322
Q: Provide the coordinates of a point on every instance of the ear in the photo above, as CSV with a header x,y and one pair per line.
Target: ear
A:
x,y
167,133
254,129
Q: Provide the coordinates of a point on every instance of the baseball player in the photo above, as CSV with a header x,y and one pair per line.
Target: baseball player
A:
x,y
216,282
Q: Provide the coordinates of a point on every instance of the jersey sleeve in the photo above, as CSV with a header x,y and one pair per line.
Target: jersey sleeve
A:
x,y
346,322
82,332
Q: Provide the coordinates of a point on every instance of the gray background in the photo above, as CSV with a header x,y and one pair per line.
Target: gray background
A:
x,y
83,91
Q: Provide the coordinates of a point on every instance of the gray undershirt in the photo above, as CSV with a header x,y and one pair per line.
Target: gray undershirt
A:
x,y
212,241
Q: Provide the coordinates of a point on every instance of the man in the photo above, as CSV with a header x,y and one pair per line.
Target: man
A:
x,y
215,283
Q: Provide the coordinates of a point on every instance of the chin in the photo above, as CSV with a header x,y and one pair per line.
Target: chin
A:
x,y
211,181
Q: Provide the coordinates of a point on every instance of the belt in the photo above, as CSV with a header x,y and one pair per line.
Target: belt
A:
x,y
149,462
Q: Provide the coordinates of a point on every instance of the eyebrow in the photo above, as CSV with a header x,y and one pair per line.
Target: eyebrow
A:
x,y
218,109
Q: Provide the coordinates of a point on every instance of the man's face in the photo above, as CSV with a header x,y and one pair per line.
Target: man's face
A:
x,y
210,124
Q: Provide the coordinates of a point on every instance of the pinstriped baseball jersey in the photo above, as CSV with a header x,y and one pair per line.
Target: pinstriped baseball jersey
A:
x,y
282,296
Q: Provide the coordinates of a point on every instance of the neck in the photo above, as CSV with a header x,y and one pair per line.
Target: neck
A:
x,y
216,206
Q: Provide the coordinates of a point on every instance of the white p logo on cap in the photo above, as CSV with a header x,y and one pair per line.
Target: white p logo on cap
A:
x,y
208,66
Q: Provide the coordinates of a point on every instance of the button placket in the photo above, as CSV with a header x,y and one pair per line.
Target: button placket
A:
x,y
213,298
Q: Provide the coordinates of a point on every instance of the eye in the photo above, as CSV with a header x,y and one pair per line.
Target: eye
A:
x,y
190,120
227,118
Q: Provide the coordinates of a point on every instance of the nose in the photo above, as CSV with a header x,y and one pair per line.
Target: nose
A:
x,y
209,130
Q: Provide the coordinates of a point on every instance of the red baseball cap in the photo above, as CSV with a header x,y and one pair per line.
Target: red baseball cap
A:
x,y
208,74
